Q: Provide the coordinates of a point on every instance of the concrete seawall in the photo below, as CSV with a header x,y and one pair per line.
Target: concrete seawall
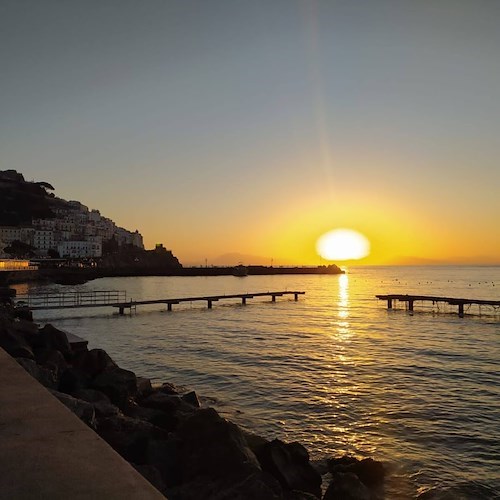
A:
x,y
48,453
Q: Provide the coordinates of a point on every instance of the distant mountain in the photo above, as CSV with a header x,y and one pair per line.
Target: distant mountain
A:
x,y
420,261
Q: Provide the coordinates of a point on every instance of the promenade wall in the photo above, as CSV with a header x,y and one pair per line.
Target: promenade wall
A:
x,y
49,453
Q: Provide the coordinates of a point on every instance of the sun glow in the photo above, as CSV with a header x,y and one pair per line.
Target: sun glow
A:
x,y
343,244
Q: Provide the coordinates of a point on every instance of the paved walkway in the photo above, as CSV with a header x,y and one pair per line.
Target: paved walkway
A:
x,y
46,452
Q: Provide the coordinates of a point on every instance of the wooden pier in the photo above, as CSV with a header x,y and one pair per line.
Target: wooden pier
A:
x,y
409,301
117,300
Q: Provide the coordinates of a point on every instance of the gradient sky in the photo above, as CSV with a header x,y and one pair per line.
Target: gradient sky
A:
x,y
254,126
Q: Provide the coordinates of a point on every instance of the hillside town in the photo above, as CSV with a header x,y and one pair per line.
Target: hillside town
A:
x,y
69,229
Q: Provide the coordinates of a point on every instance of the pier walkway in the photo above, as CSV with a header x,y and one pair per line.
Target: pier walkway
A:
x,y
409,301
118,300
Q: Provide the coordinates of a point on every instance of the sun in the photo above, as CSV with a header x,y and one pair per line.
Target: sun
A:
x,y
343,244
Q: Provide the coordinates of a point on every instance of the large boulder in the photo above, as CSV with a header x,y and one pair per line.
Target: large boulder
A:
x,y
289,464
256,486
53,360
151,474
118,384
191,398
164,420
144,387
51,338
83,410
73,380
346,486
129,437
215,448
171,404
169,388
93,362
163,454
23,313
14,342
101,403
369,471
45,376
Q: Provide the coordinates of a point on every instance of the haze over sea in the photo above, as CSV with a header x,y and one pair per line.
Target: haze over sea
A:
x,y
336,370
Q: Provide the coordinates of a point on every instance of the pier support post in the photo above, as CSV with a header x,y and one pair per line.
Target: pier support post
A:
x,y
389,303
209,304
273,298
296,296
121,311
243,301
461,310
169,306
410,305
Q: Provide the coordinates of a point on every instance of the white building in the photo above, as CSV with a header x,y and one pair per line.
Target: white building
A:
x,y
43,241
79,249
8,234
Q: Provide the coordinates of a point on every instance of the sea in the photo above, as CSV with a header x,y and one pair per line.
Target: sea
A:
x,y
335,370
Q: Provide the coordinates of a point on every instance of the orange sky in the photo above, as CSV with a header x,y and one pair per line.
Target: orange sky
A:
x,y
254,127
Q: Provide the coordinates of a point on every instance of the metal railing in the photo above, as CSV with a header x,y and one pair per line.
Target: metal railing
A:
x,y
96,297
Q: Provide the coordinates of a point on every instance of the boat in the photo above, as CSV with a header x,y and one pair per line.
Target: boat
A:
x,y
240,270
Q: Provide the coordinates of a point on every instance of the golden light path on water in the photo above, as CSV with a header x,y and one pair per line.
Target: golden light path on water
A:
x,y
334,370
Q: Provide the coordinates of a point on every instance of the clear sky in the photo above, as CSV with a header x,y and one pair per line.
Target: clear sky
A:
x,y
254,126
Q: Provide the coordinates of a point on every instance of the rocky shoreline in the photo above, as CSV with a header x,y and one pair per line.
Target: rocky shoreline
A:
x,y
185,450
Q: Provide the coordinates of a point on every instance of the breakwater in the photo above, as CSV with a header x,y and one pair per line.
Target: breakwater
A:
x,y
185,449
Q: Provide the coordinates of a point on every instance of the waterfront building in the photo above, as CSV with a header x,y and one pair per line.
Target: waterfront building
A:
x,y
79,249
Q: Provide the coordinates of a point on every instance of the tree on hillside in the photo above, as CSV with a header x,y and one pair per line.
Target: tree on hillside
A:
x,y
19,250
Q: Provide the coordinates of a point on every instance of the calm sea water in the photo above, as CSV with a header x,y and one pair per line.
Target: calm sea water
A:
x,y
335,370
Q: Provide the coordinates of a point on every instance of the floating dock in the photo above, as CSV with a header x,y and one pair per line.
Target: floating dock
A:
x,y
409,301
117,299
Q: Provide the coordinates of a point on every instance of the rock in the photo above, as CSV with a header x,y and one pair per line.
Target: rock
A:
x,y
299,495
170,404
369,471
192,399
83,410
14,342
151,474
73,380
159,418
144,387
43,375
93,362
254,441
289,464
129,437
101,403
119,384
91,396
346,486
53,360
27,328
257,486
23,313
52,338
164,455
168,388
215,448
162,401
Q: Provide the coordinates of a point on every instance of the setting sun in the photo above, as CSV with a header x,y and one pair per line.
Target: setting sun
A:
x,y
343,244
